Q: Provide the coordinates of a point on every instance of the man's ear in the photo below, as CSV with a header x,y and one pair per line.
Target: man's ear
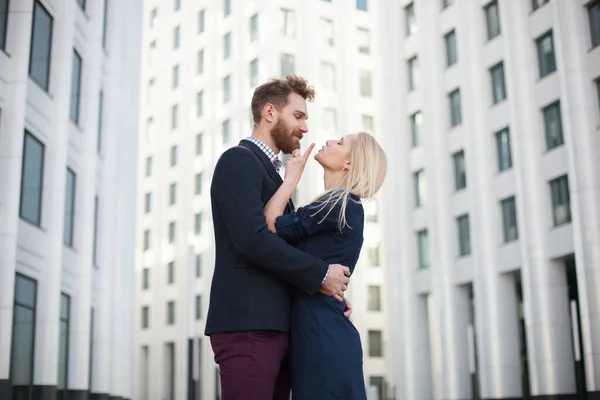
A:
x,y
269,113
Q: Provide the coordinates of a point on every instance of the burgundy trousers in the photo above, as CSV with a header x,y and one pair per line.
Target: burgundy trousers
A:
x,y
253,365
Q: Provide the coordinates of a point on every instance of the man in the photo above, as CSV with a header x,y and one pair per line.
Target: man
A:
x,y
248,319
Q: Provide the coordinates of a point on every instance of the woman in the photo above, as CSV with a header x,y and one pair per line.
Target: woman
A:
x,y
326,352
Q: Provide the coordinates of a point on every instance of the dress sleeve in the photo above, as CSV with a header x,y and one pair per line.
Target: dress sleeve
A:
x,y
307,221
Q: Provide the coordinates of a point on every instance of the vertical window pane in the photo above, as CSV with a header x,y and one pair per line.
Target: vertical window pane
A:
x,y
288,27
254,28
594,17
198,307
198,224
367,123
464,237
75,87
416,121
329,121
198,184
23,337
451,50
198,144
546,59
104,23
226,89
328,76
364,41
420,188
199,103
227,45
177,4
200,61
288,64
492,18
365,84
538,3
455,108
100,117
147,242
553,125
375,344
145,317
361,5
32,177
148,166
254,72
3,23
561,201
153,17
63,344
198,265
173,156
498,85
411,20
146,278
174,116
176,37
171,272
423,248
227,7
504,153
95,243
509,218
69,209
327,32
41,46
173,193
201,20
169,372
175,77
226,131
170,313
374,299
413,73
460,172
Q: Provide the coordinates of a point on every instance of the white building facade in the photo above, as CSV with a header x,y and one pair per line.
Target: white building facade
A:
x,y
492,220
68,100
201,62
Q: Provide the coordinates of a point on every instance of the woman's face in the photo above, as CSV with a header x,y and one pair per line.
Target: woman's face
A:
x,y
335,155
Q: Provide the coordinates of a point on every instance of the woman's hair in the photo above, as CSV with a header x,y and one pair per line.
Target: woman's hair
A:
x,y
368,167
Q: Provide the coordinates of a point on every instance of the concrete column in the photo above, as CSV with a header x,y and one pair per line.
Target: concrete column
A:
x,y
14,94
579,105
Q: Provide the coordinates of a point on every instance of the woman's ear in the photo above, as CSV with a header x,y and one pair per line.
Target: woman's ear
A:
x,y
347,166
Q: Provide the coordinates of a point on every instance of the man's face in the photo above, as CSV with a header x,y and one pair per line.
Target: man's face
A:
x,y
290,125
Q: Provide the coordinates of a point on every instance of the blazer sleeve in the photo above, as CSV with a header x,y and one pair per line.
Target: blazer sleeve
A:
x,y
307,221
236,192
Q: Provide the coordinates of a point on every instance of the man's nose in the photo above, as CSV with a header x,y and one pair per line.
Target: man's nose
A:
x,y
303,128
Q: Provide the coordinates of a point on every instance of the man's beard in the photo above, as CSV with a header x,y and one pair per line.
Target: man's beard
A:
x,y
284,140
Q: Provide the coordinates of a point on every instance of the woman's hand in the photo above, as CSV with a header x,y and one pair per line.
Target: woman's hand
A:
x,y
295,165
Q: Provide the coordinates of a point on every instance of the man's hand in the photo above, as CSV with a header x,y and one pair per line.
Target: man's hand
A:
x,y
348,311
337,281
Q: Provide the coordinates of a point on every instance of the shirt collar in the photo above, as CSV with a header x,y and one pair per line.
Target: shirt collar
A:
x,y
268,152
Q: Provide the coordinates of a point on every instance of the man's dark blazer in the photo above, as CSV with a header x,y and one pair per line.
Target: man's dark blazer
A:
x,y
253,267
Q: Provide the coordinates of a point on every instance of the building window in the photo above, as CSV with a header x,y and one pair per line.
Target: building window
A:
x,y
254,72
174,116
365,84
41,46
226,131
328,76
200,62
148,166
175,77
546,59
535,4
63,346
553,125
199,103
416,121
153,17
227,7
423,248
561,202
95,239
288,64
492,18
146,278
173,156
147,243
104,24
374,256
594,16
460,170
509,219
413,73
226,89
152,53
374,298
32,178
171,313
171,272
598,90
198,144
198,265
364,41
169,379
198,307
420,188
177,4
411,19
176,37
367,123
172,231
504,153
227,45
198,224
464,237
23,337
100,118
198,184
361,5
172,193
288,23
75,87
327,32
254,28
330,121
375,344
201,20
379,384
446,3
145,317
455,109
69,218
148,203
3,23
451,50
498,84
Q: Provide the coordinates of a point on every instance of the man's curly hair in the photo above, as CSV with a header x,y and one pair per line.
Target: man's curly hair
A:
x,y
276,92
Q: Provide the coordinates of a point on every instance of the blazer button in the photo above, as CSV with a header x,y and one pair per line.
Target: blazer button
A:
x,y
296,219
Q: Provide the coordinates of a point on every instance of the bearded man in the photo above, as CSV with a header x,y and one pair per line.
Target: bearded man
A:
x,y
255,270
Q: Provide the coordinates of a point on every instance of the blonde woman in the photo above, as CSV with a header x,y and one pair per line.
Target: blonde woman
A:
x,y
326,352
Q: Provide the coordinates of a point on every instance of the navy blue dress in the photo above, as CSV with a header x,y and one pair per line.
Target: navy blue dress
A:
x,y
326,352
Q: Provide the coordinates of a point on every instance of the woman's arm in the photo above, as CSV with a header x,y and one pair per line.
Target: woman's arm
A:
x,y
277,203
293,171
